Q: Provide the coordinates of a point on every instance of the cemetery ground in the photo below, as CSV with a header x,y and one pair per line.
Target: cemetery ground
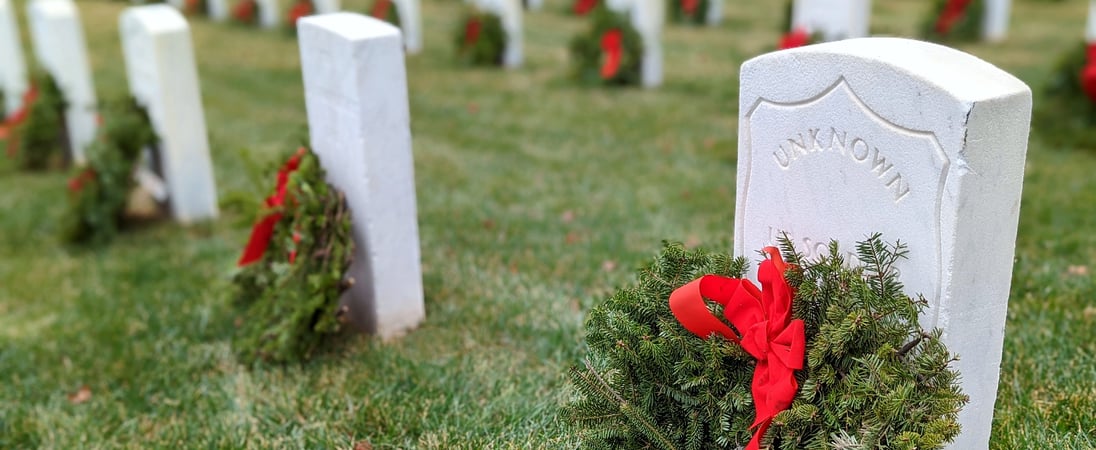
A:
x,y
537,198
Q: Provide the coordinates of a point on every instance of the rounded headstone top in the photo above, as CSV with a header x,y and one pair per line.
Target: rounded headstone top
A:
x,y
159,18
349,25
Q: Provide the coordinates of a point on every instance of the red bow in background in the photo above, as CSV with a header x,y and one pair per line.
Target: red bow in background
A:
x,y
76,184
245,11
795,38
299,10
472,31
1088,73
263,231
380,9
582,7
16,119
952,12
768,333
612,47
689,6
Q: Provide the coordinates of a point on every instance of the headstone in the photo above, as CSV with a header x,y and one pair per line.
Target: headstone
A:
x,y
58,39
835,19
326,6
160,65
509,11
410,12
534,5
13,69
920,142
715,12
270,13
995,25
356,97
647,18
1090,26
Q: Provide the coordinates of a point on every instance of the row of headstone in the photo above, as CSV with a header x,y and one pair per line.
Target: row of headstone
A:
x,y
846,19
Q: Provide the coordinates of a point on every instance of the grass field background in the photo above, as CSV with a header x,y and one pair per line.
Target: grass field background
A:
x,y
537,198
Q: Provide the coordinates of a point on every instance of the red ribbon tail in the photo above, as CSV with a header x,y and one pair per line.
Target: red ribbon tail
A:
x,y
612,47
260,238
755,442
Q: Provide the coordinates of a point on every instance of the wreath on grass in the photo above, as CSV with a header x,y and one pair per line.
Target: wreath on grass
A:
x,y
36,134
246,12
480,39
610,53
298,10
293,269
386,10
98,192
821,356
1066,113
954,20
689,11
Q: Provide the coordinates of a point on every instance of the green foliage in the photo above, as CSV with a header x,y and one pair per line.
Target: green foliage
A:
x,y
289,305
392,16
482,48
967,28
43,140
699,15
873,376
99,191
3,106
1064,115
586,52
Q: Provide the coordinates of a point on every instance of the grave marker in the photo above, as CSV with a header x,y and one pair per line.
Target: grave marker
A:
x,y
13,69
995,24
58,39
356,97
715,12
410,12
1090,25
647,18
162,75
326,6
270,13
835,19
918,141
509,12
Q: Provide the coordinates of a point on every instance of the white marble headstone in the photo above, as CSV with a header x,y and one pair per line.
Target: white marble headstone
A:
x,y
835,19
59,46
356,97
920,142
218,9
13,69
1090,25
995,23
410,12
509,12
163,77
326,6
715,12
647,18
270,13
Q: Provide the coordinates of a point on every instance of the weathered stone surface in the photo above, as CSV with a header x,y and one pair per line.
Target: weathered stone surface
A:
x,y
356,96
163,77
921,142
58,39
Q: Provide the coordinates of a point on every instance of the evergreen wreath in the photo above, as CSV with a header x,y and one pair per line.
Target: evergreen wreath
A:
x,y
247,12
954,20
99,191
610,53
480,38
689,11
1066,113
294,267
584,7
41,141
386,10
298,10
872,377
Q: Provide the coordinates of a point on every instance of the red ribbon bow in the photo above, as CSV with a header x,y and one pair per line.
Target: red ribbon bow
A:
x,y
612,47
245,11
300,9
795,38
472,31
16,119
582,7
952,12
689,6
263,231
380,9
768,334
1088,74
76,184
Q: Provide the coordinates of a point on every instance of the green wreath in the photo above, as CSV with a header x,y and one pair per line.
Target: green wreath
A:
x,y
288,300
699,15
480,39
587,54
43,138
99,191
1064,114
872,377
967,28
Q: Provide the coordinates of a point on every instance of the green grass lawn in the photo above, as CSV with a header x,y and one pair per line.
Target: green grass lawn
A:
x,y
537,198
